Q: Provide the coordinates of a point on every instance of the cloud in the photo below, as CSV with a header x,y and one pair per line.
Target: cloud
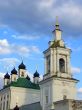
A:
x,y
4,43
1,80
8,63
4,47
80,90
38,16
75,70
35,49
25,37
23,50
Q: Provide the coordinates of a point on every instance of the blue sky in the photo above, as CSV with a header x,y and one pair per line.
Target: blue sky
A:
x,y
26,27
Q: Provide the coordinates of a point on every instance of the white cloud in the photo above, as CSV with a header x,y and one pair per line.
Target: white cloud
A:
x,y
40,20
8,63
25,37
75,70
6,48
35,49
4,43
1,80
79,90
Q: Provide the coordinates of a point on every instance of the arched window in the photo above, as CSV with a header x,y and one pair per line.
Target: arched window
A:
x,y
22,74
62,65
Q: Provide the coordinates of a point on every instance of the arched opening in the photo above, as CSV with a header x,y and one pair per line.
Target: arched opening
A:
x,y
62,65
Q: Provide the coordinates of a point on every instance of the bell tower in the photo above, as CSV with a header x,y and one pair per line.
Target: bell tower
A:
x,y
57,56
57,83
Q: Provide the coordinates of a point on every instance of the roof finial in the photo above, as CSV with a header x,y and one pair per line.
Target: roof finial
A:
x,y
57,24
36,67
22,58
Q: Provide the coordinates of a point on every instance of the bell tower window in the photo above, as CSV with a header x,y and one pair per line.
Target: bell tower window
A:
x,y
62,65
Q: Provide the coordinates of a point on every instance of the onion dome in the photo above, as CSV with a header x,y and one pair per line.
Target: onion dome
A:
x,y
14,71
22,66
6,76
36,74
16,108
28,78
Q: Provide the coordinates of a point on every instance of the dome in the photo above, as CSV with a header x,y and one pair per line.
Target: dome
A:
x,y
16,108
36,74
28,78
22,66
14,71
7,76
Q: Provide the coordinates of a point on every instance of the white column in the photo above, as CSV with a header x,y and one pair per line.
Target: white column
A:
x,y
57,62
51,62
68,65
54,62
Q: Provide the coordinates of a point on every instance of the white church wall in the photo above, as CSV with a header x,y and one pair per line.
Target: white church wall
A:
x,y
46,95
5,99
63,88
23,96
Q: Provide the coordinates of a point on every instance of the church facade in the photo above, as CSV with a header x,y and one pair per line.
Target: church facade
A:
x,y
57,90
18,90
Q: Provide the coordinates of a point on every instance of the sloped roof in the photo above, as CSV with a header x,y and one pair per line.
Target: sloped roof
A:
x,y
24,83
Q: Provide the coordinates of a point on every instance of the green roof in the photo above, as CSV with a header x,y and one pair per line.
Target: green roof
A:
x,y
24,83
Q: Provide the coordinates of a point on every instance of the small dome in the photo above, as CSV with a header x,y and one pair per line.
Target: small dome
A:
x,y
28,78
22,66
16,108
14,71
7,76
36,74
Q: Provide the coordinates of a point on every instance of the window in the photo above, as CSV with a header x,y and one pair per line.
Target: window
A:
x,y
14,78
62,65
46,99
7,105
7,96
22,74
1,98
7,82
4,106
1,106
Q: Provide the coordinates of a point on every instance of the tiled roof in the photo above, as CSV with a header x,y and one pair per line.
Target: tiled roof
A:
x,y
24,83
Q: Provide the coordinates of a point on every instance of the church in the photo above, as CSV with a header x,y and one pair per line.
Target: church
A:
x,y
57,90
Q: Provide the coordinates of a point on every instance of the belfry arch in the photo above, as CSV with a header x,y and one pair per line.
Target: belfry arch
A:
x,y
62,65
